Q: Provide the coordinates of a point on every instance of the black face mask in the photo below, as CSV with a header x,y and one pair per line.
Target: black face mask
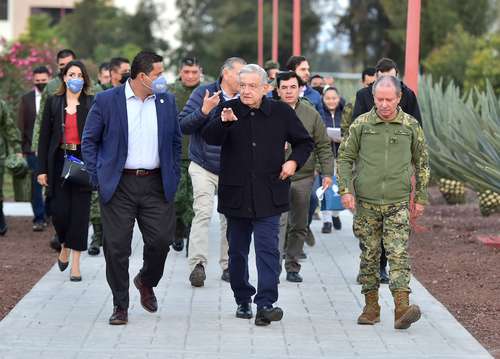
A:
x,y
319,89
40,87
125,77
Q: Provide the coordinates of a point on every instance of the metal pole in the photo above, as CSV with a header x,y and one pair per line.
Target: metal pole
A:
x,y
296,27
412,44
275,30
260,30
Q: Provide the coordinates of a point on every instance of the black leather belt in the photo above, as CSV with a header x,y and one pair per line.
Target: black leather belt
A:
x,y
141,172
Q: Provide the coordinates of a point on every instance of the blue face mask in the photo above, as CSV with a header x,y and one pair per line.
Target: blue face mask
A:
x,y
159,85
75,85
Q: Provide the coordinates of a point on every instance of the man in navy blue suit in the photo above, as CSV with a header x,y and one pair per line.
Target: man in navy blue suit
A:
x,y
132,147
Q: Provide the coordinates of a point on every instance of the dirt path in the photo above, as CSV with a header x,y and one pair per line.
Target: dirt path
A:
x,y
458,270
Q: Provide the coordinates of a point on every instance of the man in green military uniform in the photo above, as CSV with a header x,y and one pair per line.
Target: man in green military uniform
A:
x,y
63,57
385,146
103,78
10,139
189,78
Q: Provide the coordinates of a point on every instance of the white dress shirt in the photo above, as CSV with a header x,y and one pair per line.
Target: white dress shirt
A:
x,y
142,132
38,97
227,97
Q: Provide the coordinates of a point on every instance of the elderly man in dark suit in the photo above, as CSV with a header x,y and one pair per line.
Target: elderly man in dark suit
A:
x,y
28,110
132,148
254,185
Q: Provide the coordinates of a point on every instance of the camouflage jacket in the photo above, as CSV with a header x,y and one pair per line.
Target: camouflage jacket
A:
x,y
49,90
182,94
384,155
10,136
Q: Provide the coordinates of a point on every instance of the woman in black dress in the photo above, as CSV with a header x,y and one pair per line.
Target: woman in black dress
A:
x,y
70,203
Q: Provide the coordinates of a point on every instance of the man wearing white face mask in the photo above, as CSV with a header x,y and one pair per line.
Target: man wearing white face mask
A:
x,y
132,147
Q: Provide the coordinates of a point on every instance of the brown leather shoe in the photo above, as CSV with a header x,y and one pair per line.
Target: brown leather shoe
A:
x,y
148,299
119,316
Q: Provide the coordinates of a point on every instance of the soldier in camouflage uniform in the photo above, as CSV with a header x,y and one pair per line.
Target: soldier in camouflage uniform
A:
x,y
10,139
63,57
384,145
189,79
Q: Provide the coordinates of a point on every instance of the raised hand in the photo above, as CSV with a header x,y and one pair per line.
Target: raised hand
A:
x,y
227,115
210,102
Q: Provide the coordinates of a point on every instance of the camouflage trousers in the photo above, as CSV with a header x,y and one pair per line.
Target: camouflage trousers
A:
x,y
390,224
184,203
95,219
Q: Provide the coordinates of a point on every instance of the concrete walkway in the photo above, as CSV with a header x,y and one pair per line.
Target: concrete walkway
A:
x,y
61,319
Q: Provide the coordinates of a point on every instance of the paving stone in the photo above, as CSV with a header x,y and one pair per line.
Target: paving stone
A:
x,y
60,319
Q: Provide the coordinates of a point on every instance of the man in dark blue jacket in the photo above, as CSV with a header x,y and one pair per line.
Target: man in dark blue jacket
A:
x,y
131,145
205,166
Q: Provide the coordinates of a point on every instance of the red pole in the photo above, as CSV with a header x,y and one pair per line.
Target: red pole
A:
x,y
412,44
260,40
296,27
275,30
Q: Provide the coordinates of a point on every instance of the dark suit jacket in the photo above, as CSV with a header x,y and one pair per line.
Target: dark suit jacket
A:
x,y
105,141
364,102
51,132
253,151
26,120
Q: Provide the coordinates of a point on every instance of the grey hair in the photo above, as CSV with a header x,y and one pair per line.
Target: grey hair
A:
x,y
387,81
229,63
254,69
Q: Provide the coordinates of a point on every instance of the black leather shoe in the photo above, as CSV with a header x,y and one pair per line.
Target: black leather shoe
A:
x,y
384,278
178,244
75,278
94,250
266,315
294,277
244,311
62,265
327,228
119,316
225,276
55,244
336,223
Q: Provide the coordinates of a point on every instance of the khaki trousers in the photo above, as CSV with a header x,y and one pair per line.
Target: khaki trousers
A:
x,y
205,185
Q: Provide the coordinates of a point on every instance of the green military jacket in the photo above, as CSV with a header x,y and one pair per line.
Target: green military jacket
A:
x,y
346,119
322,153
10,136
49,90
384,155
182,94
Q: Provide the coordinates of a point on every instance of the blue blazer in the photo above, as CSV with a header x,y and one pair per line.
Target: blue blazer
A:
x,y
105,141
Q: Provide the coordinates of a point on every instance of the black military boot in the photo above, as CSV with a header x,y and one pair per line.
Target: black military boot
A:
x,y
96,243
3,225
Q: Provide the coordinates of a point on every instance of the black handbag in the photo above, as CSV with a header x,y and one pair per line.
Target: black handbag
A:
x,y
74,169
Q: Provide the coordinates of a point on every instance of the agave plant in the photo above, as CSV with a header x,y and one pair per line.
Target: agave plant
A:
x,y
463,135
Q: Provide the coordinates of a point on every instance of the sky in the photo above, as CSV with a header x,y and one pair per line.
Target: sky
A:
x,y
169,14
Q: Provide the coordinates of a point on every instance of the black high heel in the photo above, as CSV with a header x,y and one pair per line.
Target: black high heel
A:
x,y
62,265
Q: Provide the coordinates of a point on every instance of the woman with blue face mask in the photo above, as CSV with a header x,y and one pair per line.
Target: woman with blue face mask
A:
x,y
61,130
